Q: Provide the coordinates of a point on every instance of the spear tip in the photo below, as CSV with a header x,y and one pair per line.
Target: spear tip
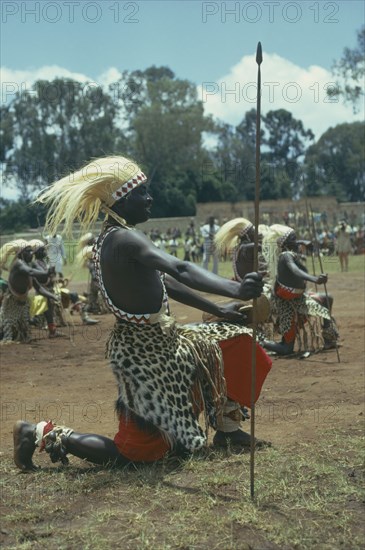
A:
x,y
259,54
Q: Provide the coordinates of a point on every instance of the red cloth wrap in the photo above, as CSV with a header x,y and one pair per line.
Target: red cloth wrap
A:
x,y
286,294
237,354
139,445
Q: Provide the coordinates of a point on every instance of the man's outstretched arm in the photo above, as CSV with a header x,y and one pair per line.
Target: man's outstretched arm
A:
x,y
292,266
181,293
135,245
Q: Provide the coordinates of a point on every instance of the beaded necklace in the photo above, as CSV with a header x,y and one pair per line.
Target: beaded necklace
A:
x,y
121,221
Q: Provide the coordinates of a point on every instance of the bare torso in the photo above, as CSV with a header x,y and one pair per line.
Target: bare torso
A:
x,y
289,271
19,279
132,287
244,260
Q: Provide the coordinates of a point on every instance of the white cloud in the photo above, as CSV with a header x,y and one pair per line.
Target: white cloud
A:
x,y
9,193
109,76
285,85
13,81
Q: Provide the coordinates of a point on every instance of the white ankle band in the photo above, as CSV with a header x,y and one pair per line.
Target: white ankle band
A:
x,y
230,420
39,432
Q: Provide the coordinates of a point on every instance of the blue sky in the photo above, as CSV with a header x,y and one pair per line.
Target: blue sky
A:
x,y
210,43
198,40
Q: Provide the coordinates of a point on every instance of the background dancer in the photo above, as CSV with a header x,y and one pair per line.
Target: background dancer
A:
x,y
291,306
15,309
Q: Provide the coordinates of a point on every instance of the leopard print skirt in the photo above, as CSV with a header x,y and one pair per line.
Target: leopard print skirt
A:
x,y
158,373
307,314
284,310
14,319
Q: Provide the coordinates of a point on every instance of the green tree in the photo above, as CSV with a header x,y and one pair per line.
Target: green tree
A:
x,y
6,131
165,123
231,173
58,128
284,141
18,215
285,136
284,146
335,164
350,72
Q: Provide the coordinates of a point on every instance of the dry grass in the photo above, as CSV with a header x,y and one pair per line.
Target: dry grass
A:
x,y
307,497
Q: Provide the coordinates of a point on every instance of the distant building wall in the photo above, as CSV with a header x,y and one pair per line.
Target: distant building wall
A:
x,y
277,211
326,210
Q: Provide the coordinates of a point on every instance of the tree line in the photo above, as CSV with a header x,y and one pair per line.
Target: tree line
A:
x,y
158,119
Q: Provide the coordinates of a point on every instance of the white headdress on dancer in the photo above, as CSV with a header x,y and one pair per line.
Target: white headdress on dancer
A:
x,y
81,195
272,246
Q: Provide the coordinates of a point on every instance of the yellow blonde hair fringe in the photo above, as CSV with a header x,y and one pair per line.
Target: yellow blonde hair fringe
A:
x,y
83,256
227,237
11,248
271,248
79,196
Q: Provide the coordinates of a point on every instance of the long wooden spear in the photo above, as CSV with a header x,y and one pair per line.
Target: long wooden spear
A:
x,y
255,268
321,268
312,237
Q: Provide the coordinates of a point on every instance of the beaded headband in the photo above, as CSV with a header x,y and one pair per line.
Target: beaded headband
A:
x,y
127,187
246,229
281,240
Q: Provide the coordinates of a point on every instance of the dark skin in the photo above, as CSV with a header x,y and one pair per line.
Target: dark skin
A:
x,y
40,263
130,265
22,275
245,256
291,272
130,262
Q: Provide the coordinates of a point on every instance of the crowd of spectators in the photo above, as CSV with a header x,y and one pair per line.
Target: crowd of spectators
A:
x,y
189,244
327,233
186,245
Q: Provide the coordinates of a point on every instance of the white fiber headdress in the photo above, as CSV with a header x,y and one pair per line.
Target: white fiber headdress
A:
x,y
272,244
82,194
229,235
12,248
84,255
36,244
85,240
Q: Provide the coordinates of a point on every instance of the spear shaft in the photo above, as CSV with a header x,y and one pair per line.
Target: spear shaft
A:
x,y
312,236
321,268
255,268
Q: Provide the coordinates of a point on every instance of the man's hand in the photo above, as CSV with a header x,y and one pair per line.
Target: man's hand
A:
x,y
251,286
321,279
230,312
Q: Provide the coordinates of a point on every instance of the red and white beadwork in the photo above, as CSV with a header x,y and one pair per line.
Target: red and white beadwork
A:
x,y
245,230
281,240
131,184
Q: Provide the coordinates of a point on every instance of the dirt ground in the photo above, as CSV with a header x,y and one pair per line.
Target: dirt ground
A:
x,y
68,380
